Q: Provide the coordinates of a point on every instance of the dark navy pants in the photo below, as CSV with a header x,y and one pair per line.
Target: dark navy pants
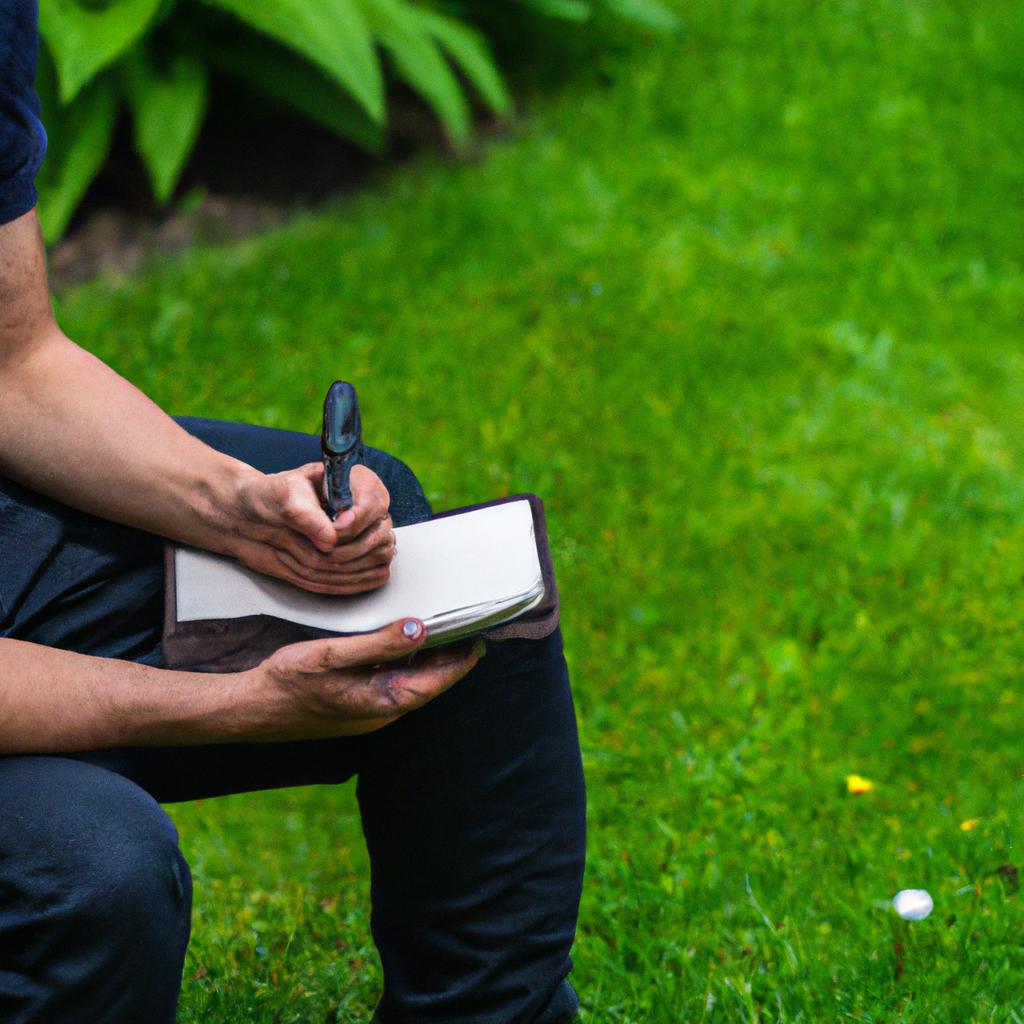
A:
x,y
472,807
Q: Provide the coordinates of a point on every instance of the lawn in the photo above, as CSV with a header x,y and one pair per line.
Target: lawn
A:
x,y
745,307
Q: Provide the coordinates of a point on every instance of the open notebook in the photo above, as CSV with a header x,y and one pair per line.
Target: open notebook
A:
x,y
482,569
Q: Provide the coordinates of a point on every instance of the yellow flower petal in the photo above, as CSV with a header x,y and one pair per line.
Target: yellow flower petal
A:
x,y
857,784
966,826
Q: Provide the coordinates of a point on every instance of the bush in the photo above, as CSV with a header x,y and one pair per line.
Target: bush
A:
x,y
321,58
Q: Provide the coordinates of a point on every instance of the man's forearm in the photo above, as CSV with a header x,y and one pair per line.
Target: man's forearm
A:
x,y
54,701
71,428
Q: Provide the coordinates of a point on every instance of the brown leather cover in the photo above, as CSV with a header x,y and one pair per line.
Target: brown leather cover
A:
x,y
231,645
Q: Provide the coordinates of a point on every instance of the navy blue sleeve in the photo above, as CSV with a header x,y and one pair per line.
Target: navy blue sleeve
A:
x,y
22,139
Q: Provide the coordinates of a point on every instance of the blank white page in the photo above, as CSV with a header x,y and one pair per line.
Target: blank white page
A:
x,y
485,556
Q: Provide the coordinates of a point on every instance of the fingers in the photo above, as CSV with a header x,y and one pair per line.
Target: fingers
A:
x,y
339,579
397,640
374,546
287,534
296,496
290,503
379,558
351,568
370,502
359,683
366,525
397,688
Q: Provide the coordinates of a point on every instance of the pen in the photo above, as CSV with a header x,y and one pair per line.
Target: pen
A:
x,y
341,443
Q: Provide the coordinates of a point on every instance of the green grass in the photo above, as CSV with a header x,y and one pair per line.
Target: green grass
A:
x,y
745,308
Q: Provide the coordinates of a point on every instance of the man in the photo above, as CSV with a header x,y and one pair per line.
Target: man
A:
x,y
471,795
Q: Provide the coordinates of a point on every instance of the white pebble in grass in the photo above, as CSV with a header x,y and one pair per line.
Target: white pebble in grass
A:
x,y
913,904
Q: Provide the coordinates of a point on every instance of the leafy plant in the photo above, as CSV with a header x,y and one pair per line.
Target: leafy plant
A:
x,y
647,12
326,59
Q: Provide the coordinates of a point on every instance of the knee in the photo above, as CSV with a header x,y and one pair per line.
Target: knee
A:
x,y
96,897
96,850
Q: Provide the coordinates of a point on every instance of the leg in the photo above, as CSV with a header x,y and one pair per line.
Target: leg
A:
x,y
73,581
96,897
473,809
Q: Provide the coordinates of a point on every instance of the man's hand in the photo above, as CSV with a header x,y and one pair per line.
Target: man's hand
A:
x,y
72,429
279,528
350,685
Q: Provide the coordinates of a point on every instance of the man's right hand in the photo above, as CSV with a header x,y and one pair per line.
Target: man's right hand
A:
x,y
348,685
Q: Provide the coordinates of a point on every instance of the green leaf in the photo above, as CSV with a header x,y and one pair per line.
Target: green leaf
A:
x,y
419,62
647,12
470,52
569,10
330,33
284,77
79,139
84,40
168,106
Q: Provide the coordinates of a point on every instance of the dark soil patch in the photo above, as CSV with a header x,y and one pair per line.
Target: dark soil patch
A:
x,y
251,169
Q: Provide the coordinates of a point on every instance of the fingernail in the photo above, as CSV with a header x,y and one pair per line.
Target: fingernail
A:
x,y
412,628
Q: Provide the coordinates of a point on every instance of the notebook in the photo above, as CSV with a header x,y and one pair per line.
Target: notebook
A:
x,y
483,569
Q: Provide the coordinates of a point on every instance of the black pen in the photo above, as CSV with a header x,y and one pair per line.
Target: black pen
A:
x,y
342,444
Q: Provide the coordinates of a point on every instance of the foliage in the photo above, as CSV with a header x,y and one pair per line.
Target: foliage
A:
x,y
321,58
745,310
647,12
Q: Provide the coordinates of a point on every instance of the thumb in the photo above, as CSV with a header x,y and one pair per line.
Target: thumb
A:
x,y
314,524
306,515
397,640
